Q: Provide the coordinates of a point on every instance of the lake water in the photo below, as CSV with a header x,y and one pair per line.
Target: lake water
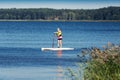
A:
x,y
21,57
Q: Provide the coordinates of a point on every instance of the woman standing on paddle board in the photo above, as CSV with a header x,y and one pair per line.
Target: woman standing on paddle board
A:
x,y
59,37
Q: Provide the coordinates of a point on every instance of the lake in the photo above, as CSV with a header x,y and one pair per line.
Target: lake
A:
x,y
21,57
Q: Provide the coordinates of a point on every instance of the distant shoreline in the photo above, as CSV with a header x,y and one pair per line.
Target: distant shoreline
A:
x,y
66,20
106,14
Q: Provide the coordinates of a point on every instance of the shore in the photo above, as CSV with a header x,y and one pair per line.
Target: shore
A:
x,y
67,20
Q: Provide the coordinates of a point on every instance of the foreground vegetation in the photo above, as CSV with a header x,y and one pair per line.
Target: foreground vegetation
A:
x,y
104,65
109,13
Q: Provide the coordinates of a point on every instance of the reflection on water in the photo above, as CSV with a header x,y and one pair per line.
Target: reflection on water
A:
x,y
59,73
34,64
59,53
59,67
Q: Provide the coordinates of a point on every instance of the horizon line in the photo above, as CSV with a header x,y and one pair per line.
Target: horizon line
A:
x,y
57,8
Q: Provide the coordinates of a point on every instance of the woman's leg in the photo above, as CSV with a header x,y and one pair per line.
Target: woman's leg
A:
x,y
60,43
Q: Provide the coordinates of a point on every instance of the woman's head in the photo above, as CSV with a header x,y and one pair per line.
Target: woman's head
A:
x,y
58,29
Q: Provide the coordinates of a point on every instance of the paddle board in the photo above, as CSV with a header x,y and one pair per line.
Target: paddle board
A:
x,y
56,49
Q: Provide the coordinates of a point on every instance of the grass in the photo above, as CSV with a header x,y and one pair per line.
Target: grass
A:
x,y
103,65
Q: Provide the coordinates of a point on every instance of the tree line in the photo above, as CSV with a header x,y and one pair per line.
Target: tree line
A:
x,y
107,13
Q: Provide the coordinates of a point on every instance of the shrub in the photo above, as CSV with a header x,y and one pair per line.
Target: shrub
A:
x,y
104,64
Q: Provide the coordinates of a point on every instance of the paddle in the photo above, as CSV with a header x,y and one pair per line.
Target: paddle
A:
x,y
53,42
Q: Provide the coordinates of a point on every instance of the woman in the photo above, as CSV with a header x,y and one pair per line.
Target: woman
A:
x,y
59,37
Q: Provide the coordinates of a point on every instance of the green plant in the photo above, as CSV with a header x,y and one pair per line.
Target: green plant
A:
x,y
104,64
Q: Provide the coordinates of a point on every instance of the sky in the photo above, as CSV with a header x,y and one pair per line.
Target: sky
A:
x,y
59,4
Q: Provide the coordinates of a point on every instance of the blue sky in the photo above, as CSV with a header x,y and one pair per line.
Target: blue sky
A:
x,y
59,4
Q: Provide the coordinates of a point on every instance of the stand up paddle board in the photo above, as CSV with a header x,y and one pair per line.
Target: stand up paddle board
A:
x,y
56,49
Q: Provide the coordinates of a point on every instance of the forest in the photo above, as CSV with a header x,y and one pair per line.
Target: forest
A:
x,y
106,13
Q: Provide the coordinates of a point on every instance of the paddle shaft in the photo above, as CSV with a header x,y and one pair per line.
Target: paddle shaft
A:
x,y
53,42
